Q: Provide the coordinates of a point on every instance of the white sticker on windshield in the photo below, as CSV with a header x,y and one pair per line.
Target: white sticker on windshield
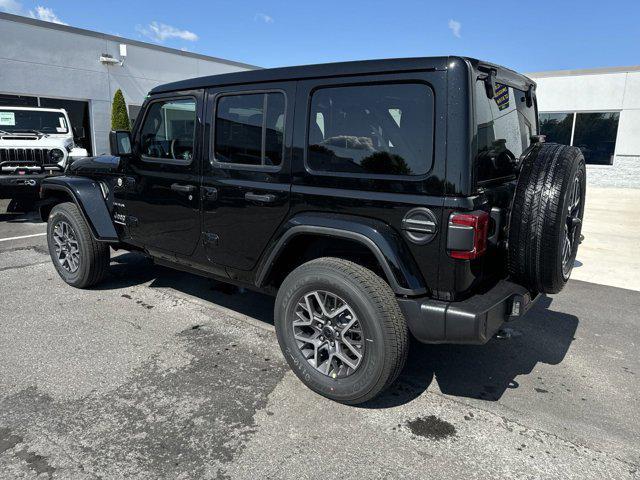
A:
x,y
8,119
63,125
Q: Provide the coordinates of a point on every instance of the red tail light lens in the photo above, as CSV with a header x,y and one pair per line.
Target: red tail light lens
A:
x,y
467,236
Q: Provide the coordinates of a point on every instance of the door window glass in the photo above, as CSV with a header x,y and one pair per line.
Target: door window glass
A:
x,y
169,129
372,129
249,129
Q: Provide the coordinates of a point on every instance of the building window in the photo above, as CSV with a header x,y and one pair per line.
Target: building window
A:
x,y
557,127
374,129
18,101
249,129
594,133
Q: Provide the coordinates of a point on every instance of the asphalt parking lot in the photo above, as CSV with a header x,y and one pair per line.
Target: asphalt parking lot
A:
x,y
162,374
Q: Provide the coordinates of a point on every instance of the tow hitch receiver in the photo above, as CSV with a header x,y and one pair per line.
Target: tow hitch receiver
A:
x,y
520,304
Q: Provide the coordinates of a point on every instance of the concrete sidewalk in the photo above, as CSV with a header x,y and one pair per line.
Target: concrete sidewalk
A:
x,y
611,229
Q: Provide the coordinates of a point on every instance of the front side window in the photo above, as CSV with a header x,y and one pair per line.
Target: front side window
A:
x,y
249,129
505,125
168,131
371,129
32,121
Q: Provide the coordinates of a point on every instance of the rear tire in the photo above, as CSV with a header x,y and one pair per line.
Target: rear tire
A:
x,y
546,217
79,259
370,324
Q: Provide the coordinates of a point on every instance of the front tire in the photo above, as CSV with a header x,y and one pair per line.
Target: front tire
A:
x,y
79,259
341,330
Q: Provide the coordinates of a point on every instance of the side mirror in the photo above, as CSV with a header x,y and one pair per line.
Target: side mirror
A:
x,y
78,133
120,143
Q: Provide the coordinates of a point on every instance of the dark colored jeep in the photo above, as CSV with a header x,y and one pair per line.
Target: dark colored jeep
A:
x,y
377,199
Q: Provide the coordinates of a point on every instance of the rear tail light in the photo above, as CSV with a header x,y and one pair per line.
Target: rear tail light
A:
x,y
467,234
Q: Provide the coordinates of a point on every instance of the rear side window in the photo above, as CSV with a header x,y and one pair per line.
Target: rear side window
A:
x,y
505,126
168,130
371,129
249,129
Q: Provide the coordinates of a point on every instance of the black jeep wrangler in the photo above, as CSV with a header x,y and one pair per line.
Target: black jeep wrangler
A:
x,y
376,199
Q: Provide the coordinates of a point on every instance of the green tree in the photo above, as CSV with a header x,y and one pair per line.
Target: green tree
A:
x,y
119,116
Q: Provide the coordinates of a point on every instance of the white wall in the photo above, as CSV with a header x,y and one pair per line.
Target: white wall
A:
x,y
41,59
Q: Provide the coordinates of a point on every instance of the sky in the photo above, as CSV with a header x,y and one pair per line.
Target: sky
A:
x,y
526,36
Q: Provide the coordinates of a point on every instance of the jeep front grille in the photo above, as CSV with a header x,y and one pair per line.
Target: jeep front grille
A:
x,y
25,156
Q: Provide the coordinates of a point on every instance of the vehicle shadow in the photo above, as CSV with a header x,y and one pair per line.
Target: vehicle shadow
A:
x,y
485,372
31,217
129,269
473,371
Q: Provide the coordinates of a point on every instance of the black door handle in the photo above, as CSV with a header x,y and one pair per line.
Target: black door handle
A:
x,y
256,197
176,187
209,193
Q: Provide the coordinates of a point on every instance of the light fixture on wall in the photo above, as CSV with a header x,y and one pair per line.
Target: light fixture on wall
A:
x,y
107,59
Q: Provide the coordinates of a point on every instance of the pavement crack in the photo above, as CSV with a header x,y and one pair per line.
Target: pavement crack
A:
x,y
15,267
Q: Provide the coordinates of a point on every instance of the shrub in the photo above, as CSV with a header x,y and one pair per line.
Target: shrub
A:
x,y
119,116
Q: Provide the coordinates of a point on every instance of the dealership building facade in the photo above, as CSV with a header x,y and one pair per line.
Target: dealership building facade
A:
x,y
597,110
57,66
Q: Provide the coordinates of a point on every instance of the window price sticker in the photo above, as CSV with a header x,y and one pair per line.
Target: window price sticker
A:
x,y
8,119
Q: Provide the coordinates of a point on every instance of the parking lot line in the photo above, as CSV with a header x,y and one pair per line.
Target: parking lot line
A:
x,y
22,236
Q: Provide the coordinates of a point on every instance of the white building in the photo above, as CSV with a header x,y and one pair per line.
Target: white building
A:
x,y
597,110
58,66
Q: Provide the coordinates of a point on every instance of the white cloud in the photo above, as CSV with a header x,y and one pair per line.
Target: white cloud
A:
x,y
46,14
41,13
264,17
455,28
11,6
159,32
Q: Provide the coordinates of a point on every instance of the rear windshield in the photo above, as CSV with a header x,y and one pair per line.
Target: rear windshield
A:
x,y
505,126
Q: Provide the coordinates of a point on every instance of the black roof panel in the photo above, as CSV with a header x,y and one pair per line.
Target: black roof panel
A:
x,y
307,71
364,67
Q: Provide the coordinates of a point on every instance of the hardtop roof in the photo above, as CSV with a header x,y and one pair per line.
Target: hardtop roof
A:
x,y
307,71
363,67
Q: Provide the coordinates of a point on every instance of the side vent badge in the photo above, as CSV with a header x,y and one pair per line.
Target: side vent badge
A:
x,y
419,225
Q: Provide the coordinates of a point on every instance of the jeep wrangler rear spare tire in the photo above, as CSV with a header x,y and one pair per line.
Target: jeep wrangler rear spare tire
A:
x,y
546,217
340,329
80,260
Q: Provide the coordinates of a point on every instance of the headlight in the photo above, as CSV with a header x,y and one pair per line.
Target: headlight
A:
x,y
56,155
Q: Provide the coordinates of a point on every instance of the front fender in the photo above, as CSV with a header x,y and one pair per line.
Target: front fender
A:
x,y
87,194
385,243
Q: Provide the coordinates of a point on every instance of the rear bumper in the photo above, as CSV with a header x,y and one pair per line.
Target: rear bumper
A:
x,y
471,321
14,186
